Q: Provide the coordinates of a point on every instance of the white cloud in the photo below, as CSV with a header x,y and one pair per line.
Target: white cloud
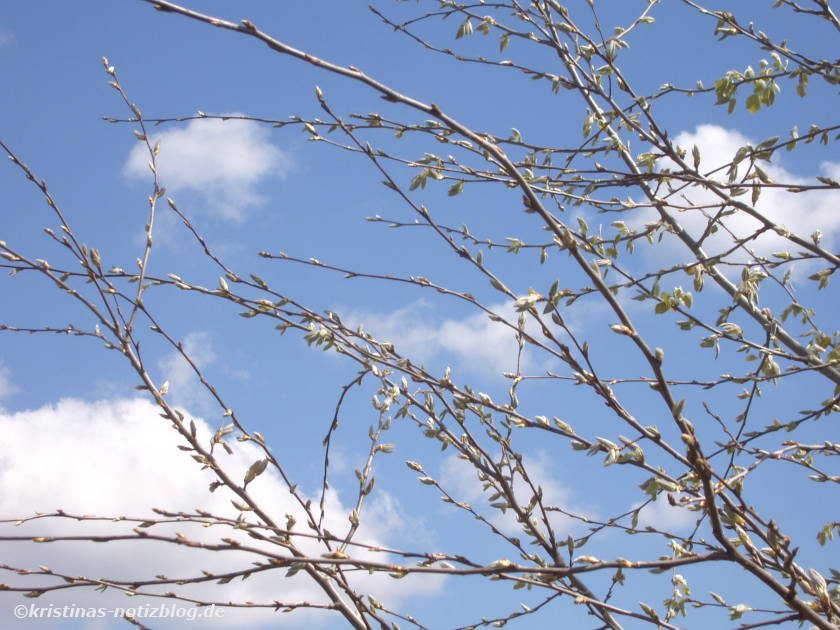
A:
x,y
222,162
7,387
184,386
119,457
417,331
830,169
7,37
666,517
801,213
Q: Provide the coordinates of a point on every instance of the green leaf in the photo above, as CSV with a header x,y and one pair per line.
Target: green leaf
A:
x,y
419,180
736,612
648,610
256,469
766,144
718,598
465,29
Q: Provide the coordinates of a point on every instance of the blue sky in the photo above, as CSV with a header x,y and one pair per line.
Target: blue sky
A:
x,y
78,436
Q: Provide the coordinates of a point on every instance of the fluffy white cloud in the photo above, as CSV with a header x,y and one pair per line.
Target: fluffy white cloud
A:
x,y
666,517
7,38
802,214
222,162
478,342
119,458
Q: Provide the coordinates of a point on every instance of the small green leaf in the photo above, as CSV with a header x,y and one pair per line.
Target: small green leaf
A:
x,y
465,29
736,612
256,469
